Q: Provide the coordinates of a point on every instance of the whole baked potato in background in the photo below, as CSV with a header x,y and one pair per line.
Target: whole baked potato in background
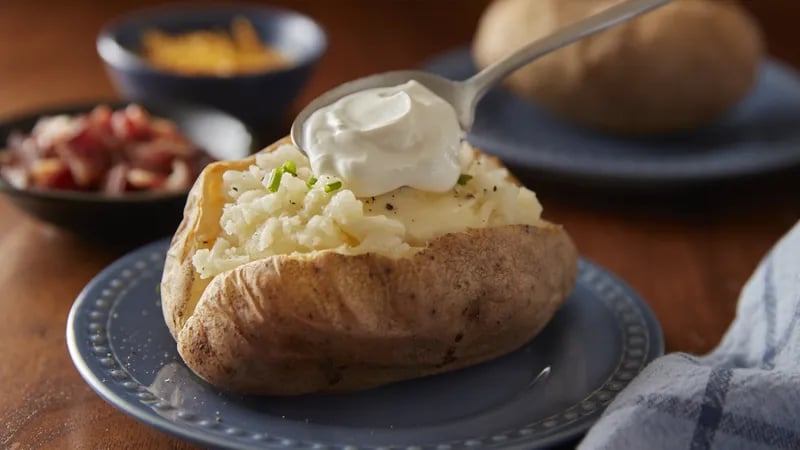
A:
x,y
673,69
331,322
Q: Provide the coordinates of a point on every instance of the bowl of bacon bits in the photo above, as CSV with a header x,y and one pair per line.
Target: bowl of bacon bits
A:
x,y
114,170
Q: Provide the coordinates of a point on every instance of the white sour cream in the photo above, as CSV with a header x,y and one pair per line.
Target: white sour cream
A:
x,y
378,140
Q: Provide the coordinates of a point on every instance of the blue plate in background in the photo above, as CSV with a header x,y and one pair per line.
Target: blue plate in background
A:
x,y
599,340
760,135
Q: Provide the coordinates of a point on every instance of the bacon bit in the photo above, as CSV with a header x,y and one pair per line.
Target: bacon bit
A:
x,y
52,173
180,177
142,179
117,179
16,176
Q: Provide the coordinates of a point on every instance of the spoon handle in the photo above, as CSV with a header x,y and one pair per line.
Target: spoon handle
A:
x,y
474,88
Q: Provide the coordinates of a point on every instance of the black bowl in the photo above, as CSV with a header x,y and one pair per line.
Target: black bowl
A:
x,y
132,216
261,100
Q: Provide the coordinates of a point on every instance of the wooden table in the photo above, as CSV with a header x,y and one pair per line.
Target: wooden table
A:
x,y
688,259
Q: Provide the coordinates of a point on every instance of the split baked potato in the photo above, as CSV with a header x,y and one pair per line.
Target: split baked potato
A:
x,y
296,286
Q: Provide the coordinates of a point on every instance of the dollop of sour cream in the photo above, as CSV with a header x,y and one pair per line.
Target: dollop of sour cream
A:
x,y
378,140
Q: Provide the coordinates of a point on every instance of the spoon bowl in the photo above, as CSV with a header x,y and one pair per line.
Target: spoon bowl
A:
x,y
446,89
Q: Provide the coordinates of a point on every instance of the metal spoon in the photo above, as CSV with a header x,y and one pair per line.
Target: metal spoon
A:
x,y
464,95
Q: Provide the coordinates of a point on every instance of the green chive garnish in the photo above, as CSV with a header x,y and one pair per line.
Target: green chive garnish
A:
x,y
330,187
311,182
463,178
275,180
290,167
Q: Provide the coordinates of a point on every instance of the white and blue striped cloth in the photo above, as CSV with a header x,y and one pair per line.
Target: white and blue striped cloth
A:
x,y
743,395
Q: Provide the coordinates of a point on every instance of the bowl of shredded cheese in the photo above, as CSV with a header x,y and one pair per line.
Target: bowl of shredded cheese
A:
x,y
250,61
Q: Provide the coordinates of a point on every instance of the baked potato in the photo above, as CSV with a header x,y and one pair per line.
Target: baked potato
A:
x,y
673,69
299,287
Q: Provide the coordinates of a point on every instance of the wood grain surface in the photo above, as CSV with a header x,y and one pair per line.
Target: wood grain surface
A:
x,y
688,255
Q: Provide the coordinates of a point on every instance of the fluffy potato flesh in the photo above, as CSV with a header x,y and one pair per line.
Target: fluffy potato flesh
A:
x,y
307,290
266,214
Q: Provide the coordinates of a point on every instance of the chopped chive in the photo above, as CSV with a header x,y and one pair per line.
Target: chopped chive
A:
x,y
290,167
330,187
275,180
311,182
463,178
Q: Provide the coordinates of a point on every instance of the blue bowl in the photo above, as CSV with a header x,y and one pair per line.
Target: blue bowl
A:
x,y
261,100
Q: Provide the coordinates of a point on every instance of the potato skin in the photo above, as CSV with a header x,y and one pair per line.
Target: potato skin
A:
x,y
335,323
199,227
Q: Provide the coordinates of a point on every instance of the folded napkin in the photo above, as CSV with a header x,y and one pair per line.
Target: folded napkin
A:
x,y
743,395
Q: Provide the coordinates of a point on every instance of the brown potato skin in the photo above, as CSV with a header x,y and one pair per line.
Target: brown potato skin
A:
x,y
673,69
335,323
200,224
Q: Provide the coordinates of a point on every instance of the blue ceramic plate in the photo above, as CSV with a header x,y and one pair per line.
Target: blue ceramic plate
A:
x,y
760,135
600,339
